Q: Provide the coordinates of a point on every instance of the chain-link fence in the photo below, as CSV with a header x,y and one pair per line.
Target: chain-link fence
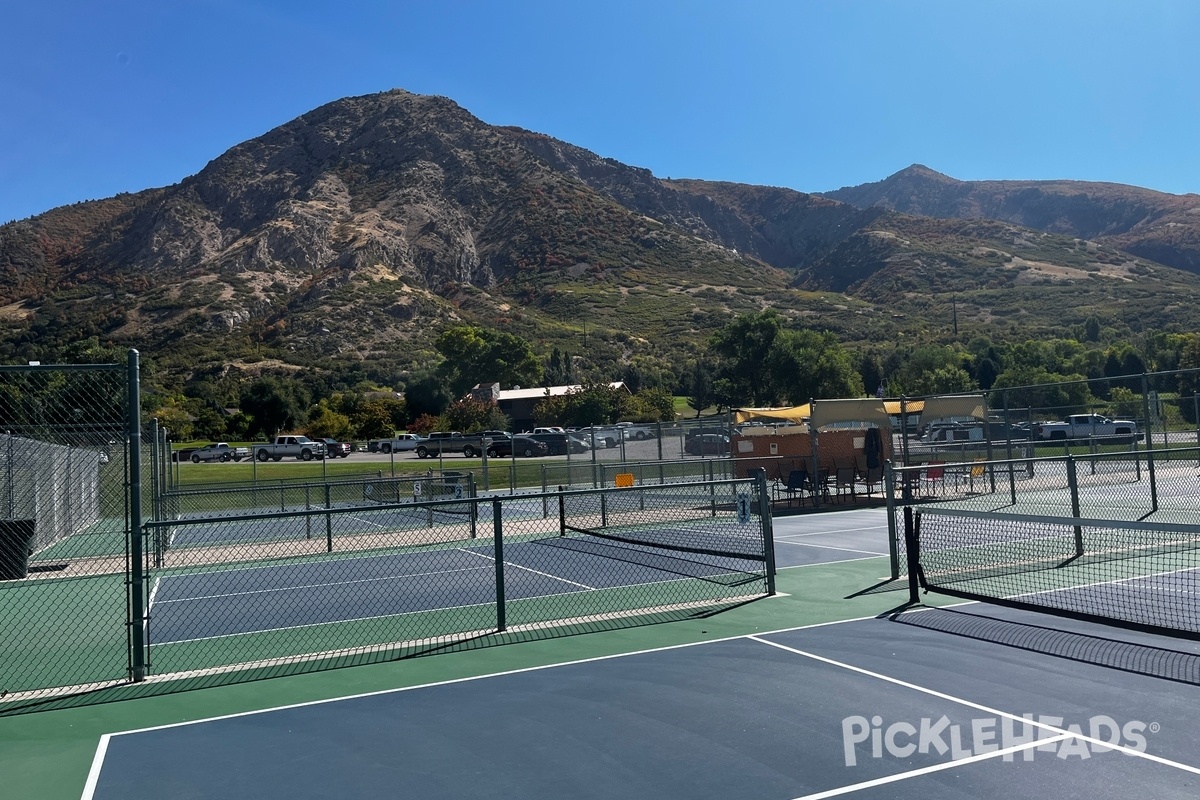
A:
x,y
1129,485
375,573
242,580
66,569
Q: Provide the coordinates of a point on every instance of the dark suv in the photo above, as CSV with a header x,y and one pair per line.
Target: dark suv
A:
x,y
557,444
520,445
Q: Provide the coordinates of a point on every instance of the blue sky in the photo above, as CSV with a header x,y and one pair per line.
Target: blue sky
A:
x,y
98,97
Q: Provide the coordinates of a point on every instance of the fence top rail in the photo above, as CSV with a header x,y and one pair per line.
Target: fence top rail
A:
x,y
435,504
61,367
1122,455
1072,522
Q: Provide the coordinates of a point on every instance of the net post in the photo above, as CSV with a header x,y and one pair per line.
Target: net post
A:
x,y
1073,485
1149,443
473,516
911,546
498,553
562,513
889,502
328,522
768,535
308,507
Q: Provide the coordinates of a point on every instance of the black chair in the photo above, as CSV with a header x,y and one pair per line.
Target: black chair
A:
x,y
798,484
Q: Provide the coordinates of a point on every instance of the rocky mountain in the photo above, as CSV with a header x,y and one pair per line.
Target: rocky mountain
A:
x,y
342,242
1153,225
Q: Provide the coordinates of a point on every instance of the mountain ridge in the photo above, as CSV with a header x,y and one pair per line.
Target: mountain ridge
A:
x,y
342,241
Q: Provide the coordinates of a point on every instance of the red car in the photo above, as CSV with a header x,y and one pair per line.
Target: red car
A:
x,y
336,449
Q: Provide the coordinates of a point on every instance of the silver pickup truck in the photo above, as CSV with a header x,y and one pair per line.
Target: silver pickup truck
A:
x,y
300,447
219,451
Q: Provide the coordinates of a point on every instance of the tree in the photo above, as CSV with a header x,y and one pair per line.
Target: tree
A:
x,y
426,394
478,355
327,423
743,346
1035,388
652,405
373,420
806,365
560,369
700,390
592,404
276,404
472,414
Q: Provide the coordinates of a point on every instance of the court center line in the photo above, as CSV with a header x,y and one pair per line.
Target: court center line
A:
x,y
1129,751
508,563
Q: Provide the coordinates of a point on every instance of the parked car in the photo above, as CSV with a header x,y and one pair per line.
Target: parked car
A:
x,y
692,433
521,445
557,444
707,444
336,449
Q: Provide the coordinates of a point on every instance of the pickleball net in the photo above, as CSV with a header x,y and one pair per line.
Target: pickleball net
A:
x,y
1142,575
698,533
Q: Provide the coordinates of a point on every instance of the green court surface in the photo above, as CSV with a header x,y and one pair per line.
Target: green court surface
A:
x,y
48,754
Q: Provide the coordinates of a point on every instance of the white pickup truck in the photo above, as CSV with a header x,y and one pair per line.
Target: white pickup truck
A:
x,y
400,443
219,451
1088,426
300,447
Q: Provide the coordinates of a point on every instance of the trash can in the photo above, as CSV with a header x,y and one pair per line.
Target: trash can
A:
x,y
16,546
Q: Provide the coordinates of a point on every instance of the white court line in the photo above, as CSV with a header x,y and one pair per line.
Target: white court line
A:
x,y
508,563
831,547
251,592
500,674
149,605
872,528
828,563
1129,751
854,787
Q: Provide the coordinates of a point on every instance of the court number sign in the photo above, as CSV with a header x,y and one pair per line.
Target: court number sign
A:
x,y
417,489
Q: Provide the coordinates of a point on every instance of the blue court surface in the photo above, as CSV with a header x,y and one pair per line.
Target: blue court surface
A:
x,y
204,605
210,604
964,701
937,703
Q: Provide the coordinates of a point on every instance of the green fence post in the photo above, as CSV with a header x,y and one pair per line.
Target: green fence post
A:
x,y
768,536
137,578
498,553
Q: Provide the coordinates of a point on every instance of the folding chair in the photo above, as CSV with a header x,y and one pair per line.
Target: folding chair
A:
x,y
872,478
844,482
798,484
933,476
